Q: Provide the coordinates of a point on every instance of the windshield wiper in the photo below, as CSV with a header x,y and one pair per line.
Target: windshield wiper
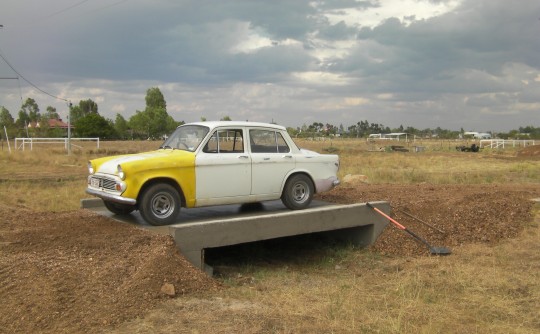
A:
x,y
165,147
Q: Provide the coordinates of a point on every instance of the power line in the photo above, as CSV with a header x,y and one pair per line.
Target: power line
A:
x,y
28,81
65,9
46,17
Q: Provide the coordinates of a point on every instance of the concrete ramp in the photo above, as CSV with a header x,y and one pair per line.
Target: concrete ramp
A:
x,y
218,227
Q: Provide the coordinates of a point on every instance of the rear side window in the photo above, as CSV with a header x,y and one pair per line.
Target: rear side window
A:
x,y
225,141
267,141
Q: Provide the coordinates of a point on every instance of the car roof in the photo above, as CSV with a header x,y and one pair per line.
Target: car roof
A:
x,y
214,124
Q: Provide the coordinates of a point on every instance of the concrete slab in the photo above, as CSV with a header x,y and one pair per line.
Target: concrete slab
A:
x,y
194,214
203,228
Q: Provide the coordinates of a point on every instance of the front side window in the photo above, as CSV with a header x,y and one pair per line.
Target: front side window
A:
x,y
225,141
267,141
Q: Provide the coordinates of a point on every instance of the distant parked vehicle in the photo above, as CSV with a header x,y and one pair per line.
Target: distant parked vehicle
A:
x,y
472,148
212,163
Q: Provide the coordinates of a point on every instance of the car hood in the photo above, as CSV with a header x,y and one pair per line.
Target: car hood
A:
x,y
147,160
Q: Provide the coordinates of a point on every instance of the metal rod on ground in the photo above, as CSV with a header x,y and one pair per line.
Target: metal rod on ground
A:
x,y
7,139
432,250
421,221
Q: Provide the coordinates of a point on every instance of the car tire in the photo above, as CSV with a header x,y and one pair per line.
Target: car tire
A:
x,y
160,204
118,208
298,192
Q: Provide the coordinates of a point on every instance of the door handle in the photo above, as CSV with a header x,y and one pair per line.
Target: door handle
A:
x,y
287,156
243,157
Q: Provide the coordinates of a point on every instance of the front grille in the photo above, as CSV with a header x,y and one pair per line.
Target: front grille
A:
x,y
104,182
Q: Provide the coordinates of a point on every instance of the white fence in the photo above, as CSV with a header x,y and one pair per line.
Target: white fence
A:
x,y
501,143
21,143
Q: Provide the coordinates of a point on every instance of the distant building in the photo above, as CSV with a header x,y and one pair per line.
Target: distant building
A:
x,y
53,124
388,136
478,135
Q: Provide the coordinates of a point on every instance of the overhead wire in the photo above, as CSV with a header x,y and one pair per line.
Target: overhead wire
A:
x,y
28,81
40,19
44,18
64,10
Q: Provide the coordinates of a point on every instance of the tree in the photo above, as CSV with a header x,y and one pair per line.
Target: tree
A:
x,y
530,131
94,125
51,113
154,121
22,119
6,119
155,99
30,108
121,127
88,107
84,108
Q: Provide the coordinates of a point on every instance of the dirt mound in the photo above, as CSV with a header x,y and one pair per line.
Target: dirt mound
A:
x,y
532,151
80,272
467,214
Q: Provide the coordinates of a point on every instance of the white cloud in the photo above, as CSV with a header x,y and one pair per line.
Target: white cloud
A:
x,y
406,11
422,63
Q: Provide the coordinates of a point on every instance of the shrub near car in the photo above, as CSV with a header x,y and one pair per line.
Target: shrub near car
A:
x,y
212,163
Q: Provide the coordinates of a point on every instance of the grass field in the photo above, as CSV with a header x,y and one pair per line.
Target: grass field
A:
x,y
48,179
479,289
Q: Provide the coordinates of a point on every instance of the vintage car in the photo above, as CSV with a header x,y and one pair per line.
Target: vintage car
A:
x,y
212,163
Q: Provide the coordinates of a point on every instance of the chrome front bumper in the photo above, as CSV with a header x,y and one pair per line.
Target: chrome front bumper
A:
x,y
111,197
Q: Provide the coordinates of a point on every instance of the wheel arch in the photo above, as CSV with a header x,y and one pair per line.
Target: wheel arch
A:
x,y
165,180
297,172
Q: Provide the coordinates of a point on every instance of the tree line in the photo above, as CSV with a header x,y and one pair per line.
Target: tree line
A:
x,y
154,123
363,129
151,123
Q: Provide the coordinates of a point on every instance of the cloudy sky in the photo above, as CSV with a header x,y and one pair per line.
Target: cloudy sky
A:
x,y
471,64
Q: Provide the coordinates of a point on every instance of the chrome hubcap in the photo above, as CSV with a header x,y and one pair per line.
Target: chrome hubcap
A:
x,y
300,192
162,205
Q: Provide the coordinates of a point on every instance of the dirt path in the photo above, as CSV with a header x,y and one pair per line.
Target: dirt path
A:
x,y
79,272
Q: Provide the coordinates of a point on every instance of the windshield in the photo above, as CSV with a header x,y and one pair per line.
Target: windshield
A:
x,y
186,138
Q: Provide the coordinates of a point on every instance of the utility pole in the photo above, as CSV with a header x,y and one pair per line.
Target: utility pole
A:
x,y
69,130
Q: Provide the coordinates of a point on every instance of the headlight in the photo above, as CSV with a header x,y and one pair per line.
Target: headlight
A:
x,y
90,168
121,173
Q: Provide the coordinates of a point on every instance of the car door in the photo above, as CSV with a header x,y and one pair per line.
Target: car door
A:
x,y
272,160
223,168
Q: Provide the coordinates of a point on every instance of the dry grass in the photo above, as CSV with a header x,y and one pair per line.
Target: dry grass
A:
x,y
439,163
479,289
48,179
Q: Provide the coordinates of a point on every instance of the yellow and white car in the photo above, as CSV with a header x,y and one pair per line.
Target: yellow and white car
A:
x,y
212,163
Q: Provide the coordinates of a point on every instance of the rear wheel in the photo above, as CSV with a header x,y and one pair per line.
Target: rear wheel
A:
x,y
160,204
298,192
119,209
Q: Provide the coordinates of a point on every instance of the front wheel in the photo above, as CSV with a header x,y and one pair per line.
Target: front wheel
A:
x,y
118,208
160,204
298,192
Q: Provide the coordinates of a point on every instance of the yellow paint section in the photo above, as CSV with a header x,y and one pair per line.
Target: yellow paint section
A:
x,y
174,165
